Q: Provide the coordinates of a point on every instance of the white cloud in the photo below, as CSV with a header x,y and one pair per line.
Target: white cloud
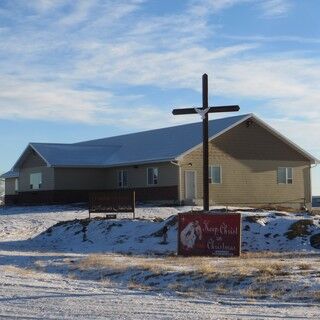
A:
x,y
275,8
261,38
48,101
80,12
207,7
44,6
115,46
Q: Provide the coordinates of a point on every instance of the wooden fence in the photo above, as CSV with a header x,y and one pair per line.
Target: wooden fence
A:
x,y
112,201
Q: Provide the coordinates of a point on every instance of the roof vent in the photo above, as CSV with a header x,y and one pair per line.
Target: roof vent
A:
x,y
249,122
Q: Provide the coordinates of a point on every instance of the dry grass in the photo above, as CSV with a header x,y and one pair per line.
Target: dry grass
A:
x,y
20,271
254,264
304,266
254,292
256,275
207,268
270,270
134,285
299,228
314,212
277,293
222,289
316,296
72,275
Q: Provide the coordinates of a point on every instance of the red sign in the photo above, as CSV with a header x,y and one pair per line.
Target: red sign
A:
x,y
209,234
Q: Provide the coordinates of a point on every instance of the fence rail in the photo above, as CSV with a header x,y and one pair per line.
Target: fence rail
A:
x,y
112,201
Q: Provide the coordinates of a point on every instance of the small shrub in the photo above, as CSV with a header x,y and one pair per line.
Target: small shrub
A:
x,y
304,266
299,228
253,219
206,268
316,296
315,241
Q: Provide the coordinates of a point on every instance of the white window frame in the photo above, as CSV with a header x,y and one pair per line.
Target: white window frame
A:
x,y
154,181
38,186
16,185
211,166
121,179
287,179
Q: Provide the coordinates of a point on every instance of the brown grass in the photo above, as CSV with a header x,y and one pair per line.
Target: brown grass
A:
x,y
254,264
263,270
316,296
254,292
222,289
20,271
304,266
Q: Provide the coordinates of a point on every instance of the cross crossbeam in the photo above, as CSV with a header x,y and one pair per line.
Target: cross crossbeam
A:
x,y
211,110
204,111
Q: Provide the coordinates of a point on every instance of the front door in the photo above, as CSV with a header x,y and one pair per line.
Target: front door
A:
x,y
190,184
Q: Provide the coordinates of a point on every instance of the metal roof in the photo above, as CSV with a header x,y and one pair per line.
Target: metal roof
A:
x,y
158,145
10,174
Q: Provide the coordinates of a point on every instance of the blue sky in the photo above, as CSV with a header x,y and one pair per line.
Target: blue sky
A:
x,y
77,70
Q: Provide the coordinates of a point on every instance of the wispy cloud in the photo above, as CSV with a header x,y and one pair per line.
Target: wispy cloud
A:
x,y
275,8
54,70
208,7
48,101
260,38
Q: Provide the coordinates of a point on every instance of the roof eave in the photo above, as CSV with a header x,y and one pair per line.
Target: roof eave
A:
x,y
123,164
30,145
306,154
10,175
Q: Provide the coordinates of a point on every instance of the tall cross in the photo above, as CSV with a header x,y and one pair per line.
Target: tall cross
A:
x,y
204,114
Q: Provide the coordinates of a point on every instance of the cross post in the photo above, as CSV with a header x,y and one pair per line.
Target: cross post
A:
x,y
205,134
204,111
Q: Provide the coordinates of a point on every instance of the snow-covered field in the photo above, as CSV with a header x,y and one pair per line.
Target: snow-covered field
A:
x,y
1,191
61,273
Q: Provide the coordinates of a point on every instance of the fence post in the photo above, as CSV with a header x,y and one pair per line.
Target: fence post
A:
x,y
134,204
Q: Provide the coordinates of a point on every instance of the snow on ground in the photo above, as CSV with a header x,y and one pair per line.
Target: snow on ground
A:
x,y
261,231
37,295
53,274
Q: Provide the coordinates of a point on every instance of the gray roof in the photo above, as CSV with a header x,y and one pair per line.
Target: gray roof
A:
x,y
10,174
74,155
158,145
142,147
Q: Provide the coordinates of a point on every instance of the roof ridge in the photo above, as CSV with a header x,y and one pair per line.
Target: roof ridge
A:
x,y
164,128
52,143
75,144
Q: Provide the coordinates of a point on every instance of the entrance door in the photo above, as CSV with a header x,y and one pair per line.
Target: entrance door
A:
x,y
190,185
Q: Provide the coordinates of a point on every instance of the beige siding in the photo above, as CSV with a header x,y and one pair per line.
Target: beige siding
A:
x,y
137,175
87,178
10,186
47,178
249,158
33,160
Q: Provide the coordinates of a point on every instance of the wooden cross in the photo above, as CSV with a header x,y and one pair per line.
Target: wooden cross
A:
x,y
204,114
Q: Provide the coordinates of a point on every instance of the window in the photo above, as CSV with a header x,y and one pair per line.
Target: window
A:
x,y
35,181
153,175
122,178
215,174
285,175
16,185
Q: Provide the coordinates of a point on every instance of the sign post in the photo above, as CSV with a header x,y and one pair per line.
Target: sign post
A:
x,y
205,134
